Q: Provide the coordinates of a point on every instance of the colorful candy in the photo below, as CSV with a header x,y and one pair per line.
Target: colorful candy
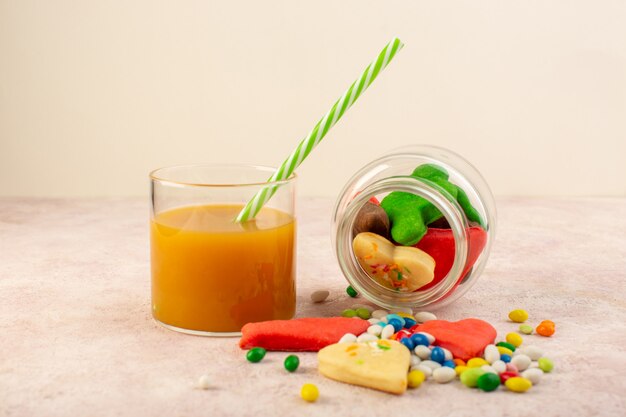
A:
x,y
522,362
505,358
518,384
309,392
319,296
491,353
469,378
546,365
449,364
526,328
437,354
505,376
443,375
534,375
415,378
504,351
476,363
421,340
256,354
518,316
406,341
488,382
533,352
514,339
507,345
291,363
348,313
204,382
351,291
424,316
363,313
546,328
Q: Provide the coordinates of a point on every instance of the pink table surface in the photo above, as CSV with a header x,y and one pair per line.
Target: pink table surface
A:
x,y
77,338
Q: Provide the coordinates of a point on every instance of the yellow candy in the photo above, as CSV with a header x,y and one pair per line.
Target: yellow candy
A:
x,y
518,316
518,384
405,315
460,369
514,339
415,378
309,392
476,363
504,351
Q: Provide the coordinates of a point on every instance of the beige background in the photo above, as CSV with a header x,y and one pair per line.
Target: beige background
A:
x,y
94,94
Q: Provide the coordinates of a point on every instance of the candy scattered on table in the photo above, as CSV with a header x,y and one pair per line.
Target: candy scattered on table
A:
x,y
546,365
518,316
256,354
309,392
381,365
415,378
526,328
488,382
319,296
306,334
291,363
351,292
204,382
518,384
546,328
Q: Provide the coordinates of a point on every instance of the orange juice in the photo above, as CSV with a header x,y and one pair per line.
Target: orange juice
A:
x,y
211,274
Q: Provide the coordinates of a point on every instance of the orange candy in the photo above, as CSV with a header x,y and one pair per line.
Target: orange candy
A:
x,y
545,328
459,362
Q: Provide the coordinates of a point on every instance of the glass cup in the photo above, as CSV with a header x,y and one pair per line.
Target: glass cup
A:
x,y
210,274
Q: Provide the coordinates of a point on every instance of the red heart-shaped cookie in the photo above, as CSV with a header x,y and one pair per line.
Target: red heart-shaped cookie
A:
x,y
465,339
439,243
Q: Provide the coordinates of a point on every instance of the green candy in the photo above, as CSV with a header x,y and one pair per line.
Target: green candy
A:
x,y
364,313
291,363
469,378
348,313
506,345
351,291
411,214
545,364
256,354
488,382
526,328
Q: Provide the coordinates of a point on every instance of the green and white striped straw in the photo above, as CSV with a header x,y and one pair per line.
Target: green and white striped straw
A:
x,y
321,128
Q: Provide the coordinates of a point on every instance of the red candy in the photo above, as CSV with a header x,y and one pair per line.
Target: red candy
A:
x,y
439,243
506,375
465,339
299,335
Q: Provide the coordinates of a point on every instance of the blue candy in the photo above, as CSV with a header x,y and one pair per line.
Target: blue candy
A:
x,y
395,316
408,323
437,355
406,341
420,339
505,358
397,324
449,364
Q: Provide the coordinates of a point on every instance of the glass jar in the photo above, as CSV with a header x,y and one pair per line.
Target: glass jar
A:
x,y
460,249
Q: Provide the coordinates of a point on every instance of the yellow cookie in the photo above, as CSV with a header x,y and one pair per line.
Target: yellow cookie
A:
x,y
381,365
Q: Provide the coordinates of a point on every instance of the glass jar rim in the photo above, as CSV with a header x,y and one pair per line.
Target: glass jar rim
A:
x,y
157,175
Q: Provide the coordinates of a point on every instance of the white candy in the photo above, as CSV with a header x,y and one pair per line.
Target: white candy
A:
x,y
376,330
347,338
366,337
533,352
447,353
432,364
533,374
384,320
489,369
499,366
415,360
444,374
424,316
379,314
491,354
204,382
422,352
521,362
319,296
373,321
430,337
387,332
397,310
425,369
